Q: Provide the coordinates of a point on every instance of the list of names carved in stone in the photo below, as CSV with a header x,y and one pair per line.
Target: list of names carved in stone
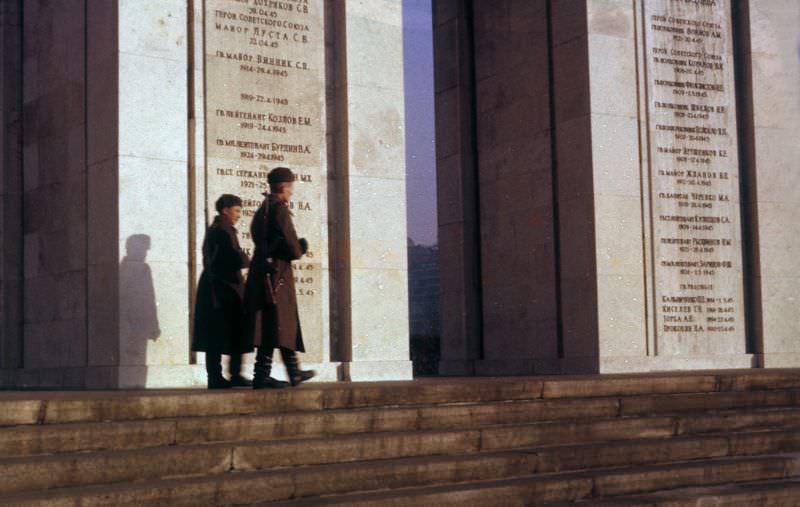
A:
x,y
264,108
694,177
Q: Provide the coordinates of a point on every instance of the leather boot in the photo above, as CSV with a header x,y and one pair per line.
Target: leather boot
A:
x,y
235,368
296,375
263,368
214,371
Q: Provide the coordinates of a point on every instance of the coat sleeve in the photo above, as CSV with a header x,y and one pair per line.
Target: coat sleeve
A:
x,y
289,248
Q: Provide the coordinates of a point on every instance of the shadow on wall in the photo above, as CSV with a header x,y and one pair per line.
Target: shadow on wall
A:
x,y
138,312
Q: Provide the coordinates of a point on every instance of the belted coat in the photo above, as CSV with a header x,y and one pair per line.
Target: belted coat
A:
x,y
274,323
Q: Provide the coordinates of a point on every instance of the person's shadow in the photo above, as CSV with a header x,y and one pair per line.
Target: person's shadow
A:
x,y
138,312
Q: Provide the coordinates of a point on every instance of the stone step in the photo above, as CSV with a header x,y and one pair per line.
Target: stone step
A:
x,y
20,408
106,467
772,493
45,439
248,486
27,440
576,487
666,404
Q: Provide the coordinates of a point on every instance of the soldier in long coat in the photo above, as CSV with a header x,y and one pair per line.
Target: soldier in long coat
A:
x,y
270,292
220,319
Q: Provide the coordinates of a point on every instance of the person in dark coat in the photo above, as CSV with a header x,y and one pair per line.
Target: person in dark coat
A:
x,y
270,293
220,318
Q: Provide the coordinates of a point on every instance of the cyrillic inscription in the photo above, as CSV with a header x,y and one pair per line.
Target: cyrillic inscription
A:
x,y
694,178
264,107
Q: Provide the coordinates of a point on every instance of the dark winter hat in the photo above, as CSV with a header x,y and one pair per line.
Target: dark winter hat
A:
x,y
280,175
227,201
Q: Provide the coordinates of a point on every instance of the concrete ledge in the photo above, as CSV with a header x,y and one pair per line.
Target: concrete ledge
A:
x,y
91,377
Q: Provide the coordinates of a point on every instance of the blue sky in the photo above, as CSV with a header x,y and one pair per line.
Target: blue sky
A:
x,y
420,136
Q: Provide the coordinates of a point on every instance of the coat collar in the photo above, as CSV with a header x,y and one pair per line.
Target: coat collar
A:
x,y
275,199
220,223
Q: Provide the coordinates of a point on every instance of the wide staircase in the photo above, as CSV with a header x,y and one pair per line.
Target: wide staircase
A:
x,y
677,439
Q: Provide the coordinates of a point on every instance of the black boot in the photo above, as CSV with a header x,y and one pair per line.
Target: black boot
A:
x,y
263,368
296,375
235,368
214,371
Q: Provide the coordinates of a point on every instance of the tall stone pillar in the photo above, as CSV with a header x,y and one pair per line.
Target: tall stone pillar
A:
x,y
596,129
371,259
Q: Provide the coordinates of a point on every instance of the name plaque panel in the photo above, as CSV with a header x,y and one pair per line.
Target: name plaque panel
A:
x,y
694,178
264,108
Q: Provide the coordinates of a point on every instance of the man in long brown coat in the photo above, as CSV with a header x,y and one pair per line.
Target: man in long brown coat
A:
x,y
270,292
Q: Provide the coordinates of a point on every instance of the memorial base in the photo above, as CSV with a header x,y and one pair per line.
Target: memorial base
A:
x,y
457,368
501,367
677,363
782,360
359,371
592,364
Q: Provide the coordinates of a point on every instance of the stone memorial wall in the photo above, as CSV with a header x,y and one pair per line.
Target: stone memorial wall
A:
x,y
603,205
693,178
264,108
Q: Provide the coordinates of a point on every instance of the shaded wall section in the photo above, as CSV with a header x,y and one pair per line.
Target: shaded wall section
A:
x,y
55,185
11,187
517,238
457,183
497,224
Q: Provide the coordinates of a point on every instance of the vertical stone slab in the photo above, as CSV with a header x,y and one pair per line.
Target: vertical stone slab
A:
x,y
371,147
456,172
11,252
153,190
264,108
197,157
616,164
575,186
55,190
693,176
102,143
11,207
772,123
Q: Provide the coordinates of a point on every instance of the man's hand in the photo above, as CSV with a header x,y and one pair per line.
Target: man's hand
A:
x,y
303,245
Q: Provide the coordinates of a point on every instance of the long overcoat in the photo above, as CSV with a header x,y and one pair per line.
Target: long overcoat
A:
x,y
274,324
220,318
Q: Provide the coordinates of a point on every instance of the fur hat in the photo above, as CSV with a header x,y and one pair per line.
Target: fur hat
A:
x,y
280,175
